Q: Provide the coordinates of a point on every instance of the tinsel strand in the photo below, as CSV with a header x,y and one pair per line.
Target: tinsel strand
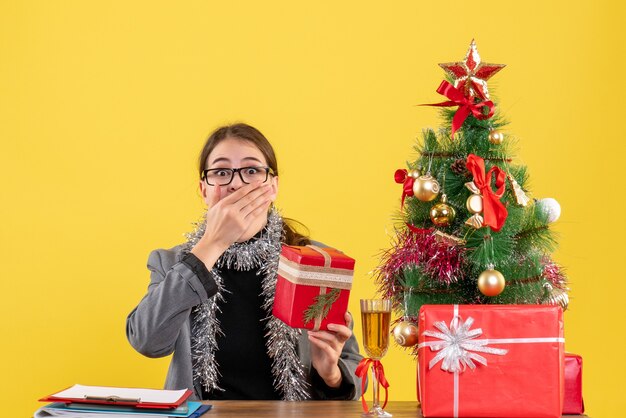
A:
x,y
441,261
450,155
282,340
205,328
553,273
262,252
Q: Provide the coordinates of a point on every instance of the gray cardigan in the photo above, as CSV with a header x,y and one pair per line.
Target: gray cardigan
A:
x,y
160,325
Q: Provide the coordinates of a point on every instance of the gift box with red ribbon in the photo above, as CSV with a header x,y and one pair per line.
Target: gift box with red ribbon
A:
x,y
573,401
313,286
491,361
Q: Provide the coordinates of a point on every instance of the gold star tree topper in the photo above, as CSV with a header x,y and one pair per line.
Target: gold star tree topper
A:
x,y
471,75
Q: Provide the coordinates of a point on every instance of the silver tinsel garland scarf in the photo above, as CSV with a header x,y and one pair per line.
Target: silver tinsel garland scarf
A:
x,y
281,340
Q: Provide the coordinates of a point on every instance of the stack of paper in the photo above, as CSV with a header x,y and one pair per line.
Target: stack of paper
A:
x,y
110,402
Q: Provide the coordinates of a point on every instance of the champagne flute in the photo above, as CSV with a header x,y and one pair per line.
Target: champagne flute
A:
x,y
375,318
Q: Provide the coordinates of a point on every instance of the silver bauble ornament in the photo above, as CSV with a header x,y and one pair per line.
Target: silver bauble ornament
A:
x,y
551,208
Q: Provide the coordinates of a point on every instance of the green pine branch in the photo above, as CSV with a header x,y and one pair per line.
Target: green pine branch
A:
x,y
321,305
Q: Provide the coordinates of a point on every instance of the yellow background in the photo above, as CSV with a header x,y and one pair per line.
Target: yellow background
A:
x,y
104,106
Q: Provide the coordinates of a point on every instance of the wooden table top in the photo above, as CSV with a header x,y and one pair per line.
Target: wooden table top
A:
x,y
308,409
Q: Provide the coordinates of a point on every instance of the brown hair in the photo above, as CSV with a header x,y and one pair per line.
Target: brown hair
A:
x,y
254,136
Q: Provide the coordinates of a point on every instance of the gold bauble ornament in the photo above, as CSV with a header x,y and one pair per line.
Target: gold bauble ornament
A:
x,y
491,282
496,137
426,188
414,173
474,203
405,333
442,214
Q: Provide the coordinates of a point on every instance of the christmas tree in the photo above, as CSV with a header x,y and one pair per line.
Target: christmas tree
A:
x,y
468,232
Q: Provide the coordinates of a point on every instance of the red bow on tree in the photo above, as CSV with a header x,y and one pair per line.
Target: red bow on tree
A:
x,y
402,176
379,374
494,211
466,105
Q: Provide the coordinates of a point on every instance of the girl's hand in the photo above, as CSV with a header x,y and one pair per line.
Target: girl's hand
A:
x,y
326,347
229,218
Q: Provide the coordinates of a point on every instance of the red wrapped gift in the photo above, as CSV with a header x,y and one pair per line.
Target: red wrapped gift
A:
x,y
313,286
491,361
573,401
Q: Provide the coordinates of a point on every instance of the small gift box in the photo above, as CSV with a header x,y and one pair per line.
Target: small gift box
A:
x,y
573,401
491,361
313,286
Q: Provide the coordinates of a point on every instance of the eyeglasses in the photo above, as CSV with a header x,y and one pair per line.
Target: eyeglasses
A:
x,y
225,176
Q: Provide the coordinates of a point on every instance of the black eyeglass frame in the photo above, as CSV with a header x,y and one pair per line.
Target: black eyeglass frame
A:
x,y
268,171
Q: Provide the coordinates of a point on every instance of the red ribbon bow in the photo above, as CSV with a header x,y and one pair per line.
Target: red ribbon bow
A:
x,y
379,373
466,105
402,176
417,230
494,211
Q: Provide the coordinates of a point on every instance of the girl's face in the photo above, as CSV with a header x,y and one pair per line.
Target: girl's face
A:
x,y
234,153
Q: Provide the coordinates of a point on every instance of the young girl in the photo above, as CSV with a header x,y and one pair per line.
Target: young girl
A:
x,y
210,299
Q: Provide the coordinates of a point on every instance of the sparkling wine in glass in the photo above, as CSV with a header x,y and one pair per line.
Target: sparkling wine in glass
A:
x,y
376,317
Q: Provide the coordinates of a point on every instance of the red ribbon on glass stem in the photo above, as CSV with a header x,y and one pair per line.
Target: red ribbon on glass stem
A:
x,y
494,211
379,374
402,176
466,105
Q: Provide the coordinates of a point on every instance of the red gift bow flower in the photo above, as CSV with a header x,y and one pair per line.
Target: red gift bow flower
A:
x,y
379,373
402,176
494,211
466,105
